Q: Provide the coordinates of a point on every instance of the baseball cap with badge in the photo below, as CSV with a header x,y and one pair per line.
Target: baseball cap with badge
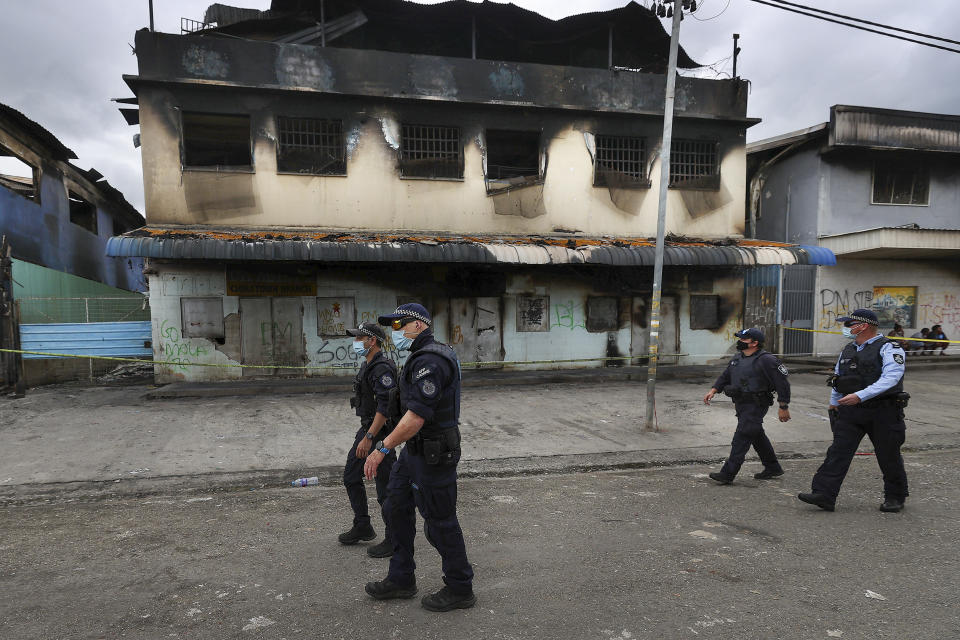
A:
x,y
752,333
858,316
405,313
370,329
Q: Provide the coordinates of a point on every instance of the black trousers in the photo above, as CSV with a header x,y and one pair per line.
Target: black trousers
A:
x,y
750,433
886,430
353,481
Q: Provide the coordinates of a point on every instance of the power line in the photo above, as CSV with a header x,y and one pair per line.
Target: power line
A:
x,y
855,26
876,24
724,10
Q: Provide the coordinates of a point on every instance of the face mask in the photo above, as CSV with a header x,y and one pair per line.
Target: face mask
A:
x,y
400,341
742,346
359,349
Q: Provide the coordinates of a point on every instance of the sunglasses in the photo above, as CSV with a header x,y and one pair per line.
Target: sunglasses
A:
x,y
399,323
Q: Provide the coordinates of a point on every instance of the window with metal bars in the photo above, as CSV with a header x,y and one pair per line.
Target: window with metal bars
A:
x,y
620,162
694,164
311,146
430,151
901,182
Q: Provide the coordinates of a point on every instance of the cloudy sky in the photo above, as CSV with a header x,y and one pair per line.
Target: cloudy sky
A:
x,y
63,61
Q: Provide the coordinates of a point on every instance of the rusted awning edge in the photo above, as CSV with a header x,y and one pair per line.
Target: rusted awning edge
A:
x,y
463,252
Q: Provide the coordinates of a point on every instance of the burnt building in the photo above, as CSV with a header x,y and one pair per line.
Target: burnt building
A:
x,y
311,167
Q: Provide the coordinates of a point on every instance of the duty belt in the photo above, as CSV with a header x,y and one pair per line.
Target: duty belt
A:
x,y
450,436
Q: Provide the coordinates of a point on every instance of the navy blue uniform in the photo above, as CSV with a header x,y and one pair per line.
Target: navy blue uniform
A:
x,y
750,381
425,475
372,393
874,372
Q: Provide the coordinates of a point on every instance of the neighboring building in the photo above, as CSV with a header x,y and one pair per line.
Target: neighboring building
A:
x,y
57,217
881,190
493,164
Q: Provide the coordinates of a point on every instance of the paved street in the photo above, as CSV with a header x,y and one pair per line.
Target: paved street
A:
x,y
655,553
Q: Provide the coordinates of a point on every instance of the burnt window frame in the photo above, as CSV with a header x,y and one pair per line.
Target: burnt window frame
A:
x,y
340,166
219,168
541,165
919,167
37,173
599,177
404,151
695,182
590,323
79,206
700,324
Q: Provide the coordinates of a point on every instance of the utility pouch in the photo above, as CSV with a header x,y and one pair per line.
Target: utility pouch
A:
x,y
393,406
902,399
765,399
442,451
732,391
353,403
848,384
432,451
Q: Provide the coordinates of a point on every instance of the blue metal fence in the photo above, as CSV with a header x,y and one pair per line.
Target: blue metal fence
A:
x,y
118,339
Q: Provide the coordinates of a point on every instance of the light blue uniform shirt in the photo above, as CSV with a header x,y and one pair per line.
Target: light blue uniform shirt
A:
x,y
889,376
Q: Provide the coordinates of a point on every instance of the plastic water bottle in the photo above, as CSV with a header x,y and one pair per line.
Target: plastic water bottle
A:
x,y
305,482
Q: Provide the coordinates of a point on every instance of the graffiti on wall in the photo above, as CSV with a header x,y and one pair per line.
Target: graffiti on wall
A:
x,y
335,316
941,307
568,315
340,354
895,305
174,348
835,303
533,313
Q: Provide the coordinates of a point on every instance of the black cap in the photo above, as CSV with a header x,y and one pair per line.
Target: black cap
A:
x,y
409,310
861,315
370,329
750,334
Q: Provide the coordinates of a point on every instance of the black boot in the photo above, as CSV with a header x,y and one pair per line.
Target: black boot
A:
x,y
822,500
382,550
357,533
766,474
891,505
721,477
387,590
446,600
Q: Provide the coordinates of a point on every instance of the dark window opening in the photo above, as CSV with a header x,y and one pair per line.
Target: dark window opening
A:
x,y
694,165
620,162
430,152
119,228
900,182
83,213
216,140
19,176
704,312
513,159
602,314
311,146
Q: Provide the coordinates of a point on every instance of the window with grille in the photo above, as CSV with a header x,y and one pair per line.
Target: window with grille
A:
x,y
428,151
694,164
311,146
513,159
620,162
216,140
900,182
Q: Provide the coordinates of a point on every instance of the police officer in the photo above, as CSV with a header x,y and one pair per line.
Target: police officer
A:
x,y
371,397
867,398
425,476
750,379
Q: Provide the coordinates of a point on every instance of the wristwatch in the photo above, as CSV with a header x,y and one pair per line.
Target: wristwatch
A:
x,y
784,406
382,449
368,435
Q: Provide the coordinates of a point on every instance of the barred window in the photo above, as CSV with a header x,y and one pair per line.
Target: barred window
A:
x,y
428,151
693,164
311,146
620,162
900,182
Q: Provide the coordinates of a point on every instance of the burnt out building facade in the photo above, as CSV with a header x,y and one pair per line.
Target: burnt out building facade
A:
x,y
305,172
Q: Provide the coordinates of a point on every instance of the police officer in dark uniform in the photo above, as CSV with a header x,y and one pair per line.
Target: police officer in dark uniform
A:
x,y
371,399
425,476
867,399
750,380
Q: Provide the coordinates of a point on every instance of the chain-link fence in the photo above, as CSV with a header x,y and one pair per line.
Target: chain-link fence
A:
x,y
79,310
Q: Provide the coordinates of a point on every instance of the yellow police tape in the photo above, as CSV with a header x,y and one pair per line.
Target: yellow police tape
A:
x,y
898,338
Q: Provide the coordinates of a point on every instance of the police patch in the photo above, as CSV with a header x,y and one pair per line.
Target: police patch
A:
x,y
898,358
428,388
782,369
386,380
424,371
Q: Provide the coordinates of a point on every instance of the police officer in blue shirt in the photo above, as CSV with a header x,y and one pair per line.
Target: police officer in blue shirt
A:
x,y
867,398
425,475
371,400
750,380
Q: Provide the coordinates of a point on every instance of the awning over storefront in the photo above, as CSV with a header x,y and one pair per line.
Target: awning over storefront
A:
x,y
912,243
299,245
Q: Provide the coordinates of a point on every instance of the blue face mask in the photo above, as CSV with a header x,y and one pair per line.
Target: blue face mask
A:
x,y
847,333
360,350
400,341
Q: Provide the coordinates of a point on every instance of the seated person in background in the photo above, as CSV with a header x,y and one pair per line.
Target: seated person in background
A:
x,y
897,332
913,347
936,333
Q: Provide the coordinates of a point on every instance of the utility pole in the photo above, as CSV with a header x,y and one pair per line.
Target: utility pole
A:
x,y
654,342
736,52
151,14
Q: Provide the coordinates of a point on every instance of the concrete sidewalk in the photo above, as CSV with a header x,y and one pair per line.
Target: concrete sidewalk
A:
x,y
89,441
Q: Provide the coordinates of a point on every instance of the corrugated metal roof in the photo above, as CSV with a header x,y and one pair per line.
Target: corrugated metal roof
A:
x,y
326,246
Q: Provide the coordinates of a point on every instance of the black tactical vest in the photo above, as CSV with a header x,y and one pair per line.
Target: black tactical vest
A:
x,y
746,376
446,414
859,369
365,399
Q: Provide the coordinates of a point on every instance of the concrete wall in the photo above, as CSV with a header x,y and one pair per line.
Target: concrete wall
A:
x,y
790,200
850,285
43,234
373,196
377,291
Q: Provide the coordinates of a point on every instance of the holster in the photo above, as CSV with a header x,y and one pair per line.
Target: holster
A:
x,y
440,450
902,399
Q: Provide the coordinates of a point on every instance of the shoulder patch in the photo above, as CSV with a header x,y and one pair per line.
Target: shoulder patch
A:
x,y
898,358
783,369
424,371
386,380
428,388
